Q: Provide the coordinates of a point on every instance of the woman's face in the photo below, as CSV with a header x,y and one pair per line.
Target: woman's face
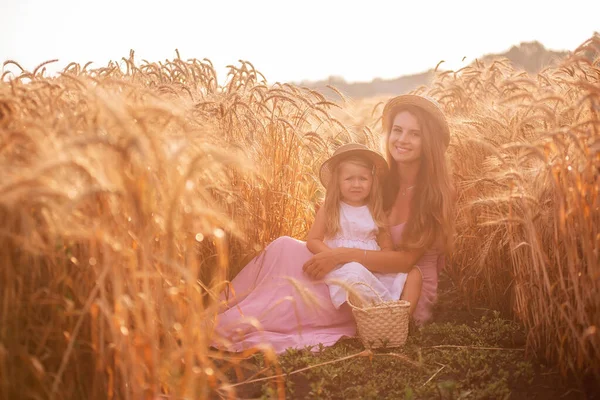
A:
x,y
405,139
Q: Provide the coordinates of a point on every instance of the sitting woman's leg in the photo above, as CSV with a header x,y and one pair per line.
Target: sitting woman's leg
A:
x,y
276,303
412,288
281,257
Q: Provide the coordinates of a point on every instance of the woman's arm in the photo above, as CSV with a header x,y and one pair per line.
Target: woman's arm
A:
x,y
314,241
390,260
376,261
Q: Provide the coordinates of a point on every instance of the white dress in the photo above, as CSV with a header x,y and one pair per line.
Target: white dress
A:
x,y
359,231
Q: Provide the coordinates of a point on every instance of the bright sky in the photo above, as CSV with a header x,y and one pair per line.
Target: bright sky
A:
x,y
290,41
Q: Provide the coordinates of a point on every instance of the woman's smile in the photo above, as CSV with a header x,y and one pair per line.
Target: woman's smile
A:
x,y
402,149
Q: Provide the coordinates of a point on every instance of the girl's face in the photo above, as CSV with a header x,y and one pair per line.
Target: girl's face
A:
x,y
405,140
355,183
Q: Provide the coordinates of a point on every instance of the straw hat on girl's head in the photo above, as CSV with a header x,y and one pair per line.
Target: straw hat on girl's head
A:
x,y
427,104
352,149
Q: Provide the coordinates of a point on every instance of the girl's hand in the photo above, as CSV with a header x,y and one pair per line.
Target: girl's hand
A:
x,y
323,263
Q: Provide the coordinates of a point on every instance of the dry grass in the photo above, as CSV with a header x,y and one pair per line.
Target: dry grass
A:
x,y
130,193
126,193
526,157
528,162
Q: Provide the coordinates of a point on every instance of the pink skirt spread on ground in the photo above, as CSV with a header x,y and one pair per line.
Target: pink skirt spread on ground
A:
x,y
273,302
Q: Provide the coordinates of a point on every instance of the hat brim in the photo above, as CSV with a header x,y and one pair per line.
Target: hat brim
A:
x,y
430,106
379,163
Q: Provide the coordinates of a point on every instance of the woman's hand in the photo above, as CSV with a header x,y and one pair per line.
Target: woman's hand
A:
x,y
323,263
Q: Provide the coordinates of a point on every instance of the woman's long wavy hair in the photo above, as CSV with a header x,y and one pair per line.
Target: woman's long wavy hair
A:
x,y
431,220
333,197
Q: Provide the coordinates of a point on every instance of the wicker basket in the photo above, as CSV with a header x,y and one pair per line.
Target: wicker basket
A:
x,y
384,324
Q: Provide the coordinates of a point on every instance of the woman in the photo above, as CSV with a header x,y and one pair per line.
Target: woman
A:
x,y
419,199
279,298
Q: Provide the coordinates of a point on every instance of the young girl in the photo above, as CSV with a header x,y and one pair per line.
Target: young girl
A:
x,y
352,217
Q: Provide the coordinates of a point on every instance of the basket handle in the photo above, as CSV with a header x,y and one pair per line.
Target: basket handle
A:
x,y
364,284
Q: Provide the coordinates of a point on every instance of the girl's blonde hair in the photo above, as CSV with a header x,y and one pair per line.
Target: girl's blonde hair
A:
x,y
331,205
431,219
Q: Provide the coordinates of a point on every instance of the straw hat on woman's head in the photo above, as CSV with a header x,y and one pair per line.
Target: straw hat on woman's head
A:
x,y
427,104
352,149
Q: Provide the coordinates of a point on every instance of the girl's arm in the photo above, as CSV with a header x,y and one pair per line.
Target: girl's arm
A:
x,y
314,241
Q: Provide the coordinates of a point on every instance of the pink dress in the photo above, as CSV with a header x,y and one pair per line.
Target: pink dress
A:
x,y
274,302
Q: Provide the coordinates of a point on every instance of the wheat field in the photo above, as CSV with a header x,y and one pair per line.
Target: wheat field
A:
x,y
130,194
